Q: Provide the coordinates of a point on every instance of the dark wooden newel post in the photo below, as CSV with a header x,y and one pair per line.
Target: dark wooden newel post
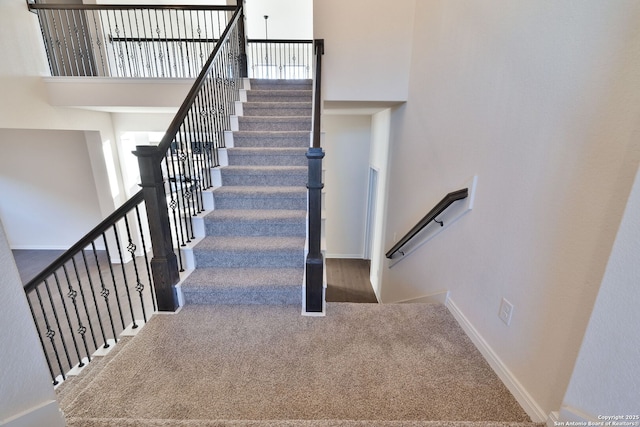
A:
x,y
244,68
164,264
315,261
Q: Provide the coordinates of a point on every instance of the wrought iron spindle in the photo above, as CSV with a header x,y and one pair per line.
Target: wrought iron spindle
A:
x,y
84,302
124,278
46,355
82,330
50,333
95,301
54,311
146,258
104,292
66,313
113,278
131,247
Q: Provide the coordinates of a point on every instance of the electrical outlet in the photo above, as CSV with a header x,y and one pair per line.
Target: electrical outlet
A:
x,y
506,311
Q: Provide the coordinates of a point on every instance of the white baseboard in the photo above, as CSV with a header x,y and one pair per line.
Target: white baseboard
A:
x,y
440,297
569,413
523,397
346,256
46,414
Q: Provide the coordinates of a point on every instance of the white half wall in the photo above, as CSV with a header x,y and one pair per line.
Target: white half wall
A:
x,y
49,196
541,100
346,144
367,48
26,393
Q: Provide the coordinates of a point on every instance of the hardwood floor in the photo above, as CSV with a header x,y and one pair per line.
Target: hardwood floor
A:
x,y
348,281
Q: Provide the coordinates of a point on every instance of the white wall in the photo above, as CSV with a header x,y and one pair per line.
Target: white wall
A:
x,y
379,160
346,163
606,379
288,19
541,101
49,198
367,48
26,394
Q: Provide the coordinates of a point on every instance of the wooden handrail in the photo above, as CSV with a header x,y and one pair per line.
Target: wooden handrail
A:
x,y
431,216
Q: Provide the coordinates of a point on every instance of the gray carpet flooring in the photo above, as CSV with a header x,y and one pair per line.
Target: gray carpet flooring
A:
x,y
267,365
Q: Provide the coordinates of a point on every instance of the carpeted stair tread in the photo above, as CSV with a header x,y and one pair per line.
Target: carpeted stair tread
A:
x,y
251,277
271,139
125,422
296,95
278,109
256,222
250,243
264,175
260,197
281,84
270,286
268,156
276,124
250,251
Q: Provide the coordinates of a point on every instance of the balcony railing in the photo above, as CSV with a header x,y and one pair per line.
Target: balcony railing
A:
x,y
130,41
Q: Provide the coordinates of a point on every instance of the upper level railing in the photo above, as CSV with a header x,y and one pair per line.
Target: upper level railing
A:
x,y
99,287
280,58
130,41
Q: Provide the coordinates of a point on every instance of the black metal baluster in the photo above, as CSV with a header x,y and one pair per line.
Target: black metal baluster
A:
x,y
59,43
131,247
104,292
186,193
179,187
152,45
66,313
57,321
84,302
143,66
82,330
44,350
146,260
124,278
50,333
95,301
190,163
160,46
99,42
113,278
77,46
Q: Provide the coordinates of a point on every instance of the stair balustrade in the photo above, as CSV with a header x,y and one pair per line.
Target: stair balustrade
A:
x,y
88,296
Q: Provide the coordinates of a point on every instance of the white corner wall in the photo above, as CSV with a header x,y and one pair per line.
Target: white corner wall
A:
x,y
367,48
346,144
26,394
606,379
49,197
541,101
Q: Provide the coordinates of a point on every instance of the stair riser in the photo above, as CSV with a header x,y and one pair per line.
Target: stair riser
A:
x,y
267,160
263,141
271,125
277,180
232,228
268,296
249,259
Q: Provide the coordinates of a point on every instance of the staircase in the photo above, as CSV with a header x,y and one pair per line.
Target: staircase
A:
x,y
253,249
